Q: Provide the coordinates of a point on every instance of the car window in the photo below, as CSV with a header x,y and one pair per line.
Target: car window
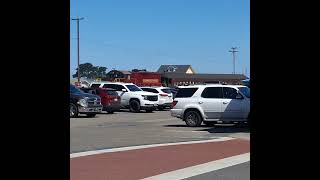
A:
x,y
229,93
118,87
166,91
112,93
186,92
74,89
133,88
146,89
245,91
109,86
212,92
150,90
154,91
95,85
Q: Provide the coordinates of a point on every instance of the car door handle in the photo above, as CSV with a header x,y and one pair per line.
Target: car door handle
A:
x,y
225,102
200,102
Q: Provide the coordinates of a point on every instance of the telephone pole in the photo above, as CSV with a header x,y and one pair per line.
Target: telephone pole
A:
x,y
233,54
78,38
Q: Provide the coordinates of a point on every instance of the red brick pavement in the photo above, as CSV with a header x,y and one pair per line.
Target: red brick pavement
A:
x,y
142,163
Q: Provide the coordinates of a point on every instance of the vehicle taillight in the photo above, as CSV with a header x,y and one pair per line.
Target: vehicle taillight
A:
x,y
163,94
174,103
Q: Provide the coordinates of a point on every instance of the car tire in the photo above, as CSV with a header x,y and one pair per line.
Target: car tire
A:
x,y
210,123
91,115
192,118
74,112
149,110
134,106
160,108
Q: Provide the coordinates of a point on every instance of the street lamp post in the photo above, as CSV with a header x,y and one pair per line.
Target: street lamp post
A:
x,y
78,38
234,58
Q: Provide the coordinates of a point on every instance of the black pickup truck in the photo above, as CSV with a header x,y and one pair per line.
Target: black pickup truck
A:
x,y
83,103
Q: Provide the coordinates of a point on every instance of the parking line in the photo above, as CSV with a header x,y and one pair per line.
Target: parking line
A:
x,y
202,168
94,152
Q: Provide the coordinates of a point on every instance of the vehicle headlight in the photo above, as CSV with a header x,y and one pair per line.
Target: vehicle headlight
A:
x,y
83,102
145,97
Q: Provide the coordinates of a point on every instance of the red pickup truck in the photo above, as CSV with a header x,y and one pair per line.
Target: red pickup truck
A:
x,y
110,99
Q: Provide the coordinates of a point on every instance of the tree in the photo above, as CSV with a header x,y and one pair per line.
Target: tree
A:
x,y
139,70
89,71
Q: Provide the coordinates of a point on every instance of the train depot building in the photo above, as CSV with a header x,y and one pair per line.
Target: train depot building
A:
x,y
172,75
177,75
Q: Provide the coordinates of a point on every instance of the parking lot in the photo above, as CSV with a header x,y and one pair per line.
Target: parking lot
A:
x,y
124,128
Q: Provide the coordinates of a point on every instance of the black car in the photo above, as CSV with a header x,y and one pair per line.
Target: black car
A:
x,y
83,103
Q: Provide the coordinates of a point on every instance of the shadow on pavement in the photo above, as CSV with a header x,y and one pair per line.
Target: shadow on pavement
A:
x,y
216,129
224,129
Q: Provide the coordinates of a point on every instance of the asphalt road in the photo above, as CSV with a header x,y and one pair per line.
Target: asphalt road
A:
x,y
124,128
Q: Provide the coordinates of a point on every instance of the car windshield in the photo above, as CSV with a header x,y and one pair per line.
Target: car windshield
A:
x,y
245,91
166,91
74,89
133,88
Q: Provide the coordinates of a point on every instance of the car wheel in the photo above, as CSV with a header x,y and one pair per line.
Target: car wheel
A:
x,y
73,110
160,108
193,119
91,115
134,106
210,123
149,110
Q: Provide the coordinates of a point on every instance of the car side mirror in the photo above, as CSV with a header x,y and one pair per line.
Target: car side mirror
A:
x,y
239,96
124,90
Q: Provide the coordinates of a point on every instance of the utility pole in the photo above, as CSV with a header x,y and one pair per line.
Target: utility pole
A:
x,y
78,38
233,54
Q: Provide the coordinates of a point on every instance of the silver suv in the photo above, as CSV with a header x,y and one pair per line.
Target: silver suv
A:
x,y
211,104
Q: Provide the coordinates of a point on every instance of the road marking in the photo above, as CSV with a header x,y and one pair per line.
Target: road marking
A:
x,y
87,153
202,168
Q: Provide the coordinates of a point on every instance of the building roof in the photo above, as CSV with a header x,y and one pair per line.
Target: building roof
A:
x,y
211,85
205,76
174,68
125,72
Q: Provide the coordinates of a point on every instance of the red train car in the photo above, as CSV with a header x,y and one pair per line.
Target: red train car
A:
x,y
145,78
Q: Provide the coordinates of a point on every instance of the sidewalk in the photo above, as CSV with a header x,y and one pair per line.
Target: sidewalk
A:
x,y
153,161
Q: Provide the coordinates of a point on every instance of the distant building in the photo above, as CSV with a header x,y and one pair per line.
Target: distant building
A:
x,y
175,75
187,69
172,75
138,77
117,76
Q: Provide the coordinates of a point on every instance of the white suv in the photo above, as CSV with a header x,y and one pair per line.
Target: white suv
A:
x,y
165,96
132,96
212,103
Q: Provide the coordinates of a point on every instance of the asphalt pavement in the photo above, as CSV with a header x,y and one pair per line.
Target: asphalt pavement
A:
x,y
124,128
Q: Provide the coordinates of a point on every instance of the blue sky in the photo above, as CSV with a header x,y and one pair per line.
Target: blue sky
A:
x,y
144,34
